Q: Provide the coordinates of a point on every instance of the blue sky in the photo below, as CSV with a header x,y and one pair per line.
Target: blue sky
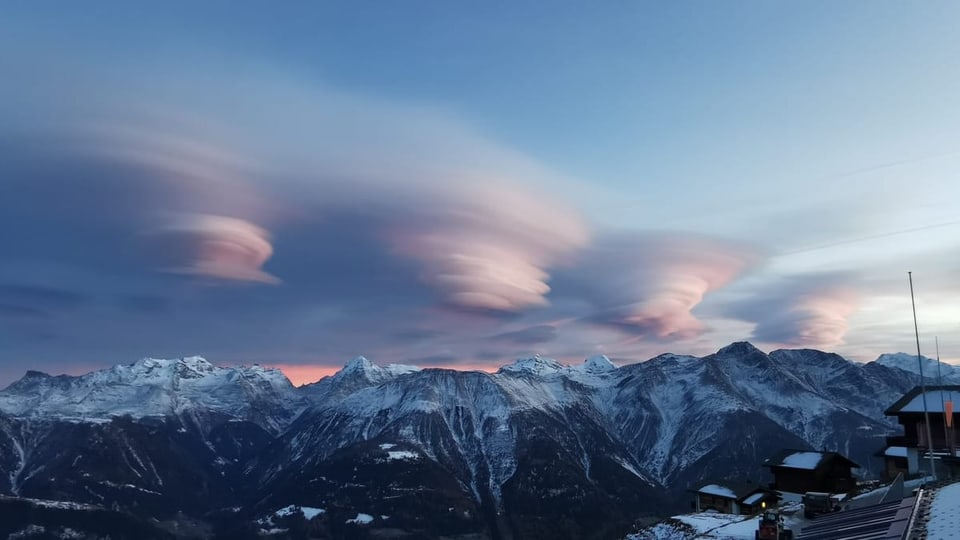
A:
x,y
456,185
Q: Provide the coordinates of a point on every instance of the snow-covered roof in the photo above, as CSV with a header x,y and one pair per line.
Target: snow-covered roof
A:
x,y
807,460
935,401
803,460
945,513
754,499
718,490
936,397
895,451
736,490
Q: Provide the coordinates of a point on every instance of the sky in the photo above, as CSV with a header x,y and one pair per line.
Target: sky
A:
x,y
450,184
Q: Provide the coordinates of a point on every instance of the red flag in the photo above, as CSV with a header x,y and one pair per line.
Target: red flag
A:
x,y
948,408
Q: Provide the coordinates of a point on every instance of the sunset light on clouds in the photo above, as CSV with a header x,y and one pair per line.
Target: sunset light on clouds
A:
x,y
360,182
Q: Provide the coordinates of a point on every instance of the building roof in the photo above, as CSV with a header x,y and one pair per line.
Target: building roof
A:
x,y
804,459
735,490
912,401
944,517
883,521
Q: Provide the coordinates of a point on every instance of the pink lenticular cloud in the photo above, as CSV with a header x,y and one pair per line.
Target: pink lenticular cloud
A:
x,y
475,272
801,311
491,246
462,207
816,318
220,247
649,283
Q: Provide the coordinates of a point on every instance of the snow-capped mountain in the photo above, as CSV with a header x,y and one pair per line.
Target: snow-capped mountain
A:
x,y
536,449
158,388
931,368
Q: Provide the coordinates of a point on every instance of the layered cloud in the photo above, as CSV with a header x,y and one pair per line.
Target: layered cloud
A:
x,y
532,335
384,229
493,248
475,217
802,311
218,247
648,283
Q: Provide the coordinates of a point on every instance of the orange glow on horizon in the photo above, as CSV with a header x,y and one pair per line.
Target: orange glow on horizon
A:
x,y
300,375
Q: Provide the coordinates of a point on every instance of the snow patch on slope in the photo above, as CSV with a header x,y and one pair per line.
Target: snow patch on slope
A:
x,y
931,369
361,519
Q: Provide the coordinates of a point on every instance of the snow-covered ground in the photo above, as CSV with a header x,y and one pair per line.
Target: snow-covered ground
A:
x,y
307,511
268,526
945,514
710,525
721,525
361,519
402,454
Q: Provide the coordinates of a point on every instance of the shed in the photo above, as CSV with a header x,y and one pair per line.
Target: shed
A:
x,y
732,497
800,471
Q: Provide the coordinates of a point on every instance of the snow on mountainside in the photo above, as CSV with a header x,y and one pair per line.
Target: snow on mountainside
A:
x,y
157,388
538,446
684,413
931,369
361,367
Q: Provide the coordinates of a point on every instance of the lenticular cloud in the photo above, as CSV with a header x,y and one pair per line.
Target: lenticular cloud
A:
x,y
492,248
815,317
219,247
649,283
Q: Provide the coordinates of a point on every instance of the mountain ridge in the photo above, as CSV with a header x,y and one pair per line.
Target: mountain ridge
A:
x,y
360,363
594,440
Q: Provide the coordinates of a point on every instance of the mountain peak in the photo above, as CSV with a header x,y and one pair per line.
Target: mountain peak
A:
x,y
362,367
739,348
598,363
902,360
197,362
152,387
358,364
908,362
30,380
193,367
535,364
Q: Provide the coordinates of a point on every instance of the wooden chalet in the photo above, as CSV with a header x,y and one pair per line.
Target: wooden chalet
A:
x,y
731,497
908,453
802,471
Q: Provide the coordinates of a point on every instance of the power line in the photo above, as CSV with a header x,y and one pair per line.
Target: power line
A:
x,y
870,237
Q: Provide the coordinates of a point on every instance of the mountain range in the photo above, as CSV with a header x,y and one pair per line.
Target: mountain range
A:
x,y
536,450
